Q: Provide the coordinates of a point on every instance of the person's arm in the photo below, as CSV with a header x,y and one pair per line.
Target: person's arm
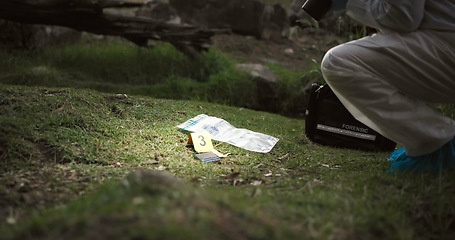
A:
x,y
396,15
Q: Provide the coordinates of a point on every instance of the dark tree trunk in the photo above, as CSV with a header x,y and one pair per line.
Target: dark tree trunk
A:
x,y
90,16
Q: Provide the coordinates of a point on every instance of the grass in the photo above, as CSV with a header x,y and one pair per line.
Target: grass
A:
x,y
161,72
105,65
71,148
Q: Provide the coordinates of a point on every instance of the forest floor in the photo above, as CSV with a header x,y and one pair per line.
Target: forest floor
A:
x,y
65,153
293,53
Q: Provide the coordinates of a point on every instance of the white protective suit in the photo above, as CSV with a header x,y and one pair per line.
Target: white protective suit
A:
x,y
384,80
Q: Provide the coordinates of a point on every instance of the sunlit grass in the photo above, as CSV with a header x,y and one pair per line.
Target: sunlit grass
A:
x,y
75,120
72,148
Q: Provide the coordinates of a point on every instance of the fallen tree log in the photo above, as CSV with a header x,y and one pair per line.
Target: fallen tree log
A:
x,y
92,16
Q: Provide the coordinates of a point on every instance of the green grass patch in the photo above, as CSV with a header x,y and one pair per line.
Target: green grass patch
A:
x,y
65,153
159,72
77,121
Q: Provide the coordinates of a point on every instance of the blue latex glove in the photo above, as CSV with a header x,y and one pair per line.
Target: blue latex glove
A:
x,y
440,160
338,5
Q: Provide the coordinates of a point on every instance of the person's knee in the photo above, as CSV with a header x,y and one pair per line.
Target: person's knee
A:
x,y
342,62
332,63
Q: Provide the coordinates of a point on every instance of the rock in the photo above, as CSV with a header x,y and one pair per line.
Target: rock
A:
x,y
245,17
30,36
160,10
266,82
289,51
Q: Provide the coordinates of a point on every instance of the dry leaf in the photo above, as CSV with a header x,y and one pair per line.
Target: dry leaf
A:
x,y
256,183
59,109
286,156
121,96
232,176
325,165
161,168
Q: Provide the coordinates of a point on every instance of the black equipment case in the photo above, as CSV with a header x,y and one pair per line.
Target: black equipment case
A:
x,y
328,122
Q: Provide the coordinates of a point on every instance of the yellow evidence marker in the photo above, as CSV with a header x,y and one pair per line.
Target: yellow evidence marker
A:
x,y
202,143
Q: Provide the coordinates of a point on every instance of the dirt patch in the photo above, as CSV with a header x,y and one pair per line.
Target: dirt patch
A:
x,y
303,48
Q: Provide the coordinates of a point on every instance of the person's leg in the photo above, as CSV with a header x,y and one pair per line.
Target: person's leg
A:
x,y
384,79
